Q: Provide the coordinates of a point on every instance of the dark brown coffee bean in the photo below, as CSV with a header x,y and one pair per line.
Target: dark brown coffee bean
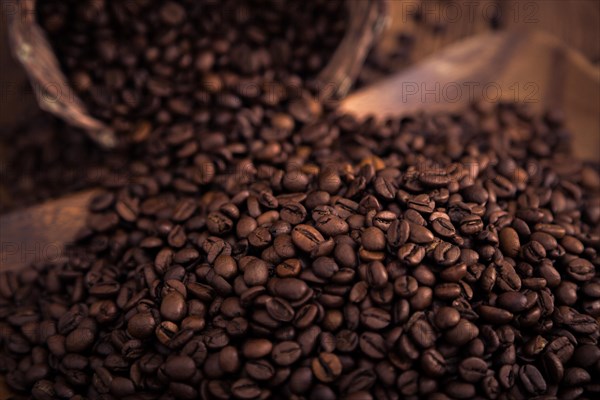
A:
x,y
532,380
332,225
443,227
411,254
179,368
509,242
256,273
462,333
260,370
507,278
141,325
173,307
446,317
419,234
433,363
398,233
376,275
279,309
372,345
471,224
257,348
306,238
79,340
473,369
290,288
513,301
286,353
580,269
495,315
245,389
326,367
121,387
375,318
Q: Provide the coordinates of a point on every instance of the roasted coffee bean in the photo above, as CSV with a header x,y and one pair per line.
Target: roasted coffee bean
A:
x,y
279,309
433,363
471,224
257,348
419,234
446,317
462,333
375,318
532,380
509,242
331,225
326,367
306,238
580,269
472,369
179,368
411,254
260,370
507,278
245,389
286,353
173,307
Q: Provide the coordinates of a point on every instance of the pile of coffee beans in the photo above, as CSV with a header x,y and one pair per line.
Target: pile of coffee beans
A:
x,y
305,254
142,64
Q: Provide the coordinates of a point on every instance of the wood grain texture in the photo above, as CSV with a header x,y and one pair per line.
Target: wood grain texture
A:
x,y
40,233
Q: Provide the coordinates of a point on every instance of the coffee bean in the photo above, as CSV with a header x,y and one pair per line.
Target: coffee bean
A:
x,y
260,370
179,368
375,318
173,307
326,367
306,238
507,278
373,239
446,317
462,333
433,363
257,348
472,369
256,273
419,234
286,353
290,288
377,275
373,345
79,340
245,389
532,380
580,269
121,387
279,309
509,242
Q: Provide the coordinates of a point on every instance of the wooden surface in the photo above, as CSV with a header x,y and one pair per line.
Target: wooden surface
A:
x,y
40,233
